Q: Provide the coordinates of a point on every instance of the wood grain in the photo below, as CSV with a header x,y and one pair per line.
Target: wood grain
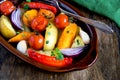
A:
x,y
107,66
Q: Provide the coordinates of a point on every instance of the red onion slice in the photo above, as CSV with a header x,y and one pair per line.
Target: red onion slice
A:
x,y
16,18
71,52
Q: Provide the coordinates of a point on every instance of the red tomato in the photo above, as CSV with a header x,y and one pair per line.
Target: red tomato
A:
x,y
7,7
39,23
61,21
36,41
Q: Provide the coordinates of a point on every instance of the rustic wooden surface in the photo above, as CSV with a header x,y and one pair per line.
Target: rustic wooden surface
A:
x,y
107,66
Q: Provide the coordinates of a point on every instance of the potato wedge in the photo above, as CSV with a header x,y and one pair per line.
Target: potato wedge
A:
x,y
6,27
51,36
78,42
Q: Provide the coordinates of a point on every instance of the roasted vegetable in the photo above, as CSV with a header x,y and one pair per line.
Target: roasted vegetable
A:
x,y
7,7
67,36
57,53
51,36
28,16
36,41
61,21
39,5
47,14
47,53
6,27
22,46
73,52
85,37
21,36
16,18
78,42
49,60
39,23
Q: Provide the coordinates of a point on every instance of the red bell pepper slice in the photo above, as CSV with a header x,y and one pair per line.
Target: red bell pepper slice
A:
x,y
40,5
49,60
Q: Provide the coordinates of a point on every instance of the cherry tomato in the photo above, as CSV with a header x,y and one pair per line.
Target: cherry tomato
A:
x,y
36,41
61,21
39,23
7,7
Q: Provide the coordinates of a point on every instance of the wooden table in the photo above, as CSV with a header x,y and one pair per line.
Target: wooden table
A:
x,y
107,66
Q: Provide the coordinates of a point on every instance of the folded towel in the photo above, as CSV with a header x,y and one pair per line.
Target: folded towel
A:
x,y
108,8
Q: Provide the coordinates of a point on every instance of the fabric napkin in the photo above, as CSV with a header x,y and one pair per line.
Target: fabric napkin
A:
x,y
108,8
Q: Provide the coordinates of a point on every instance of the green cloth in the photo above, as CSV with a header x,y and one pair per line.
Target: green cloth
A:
x,y
108,8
